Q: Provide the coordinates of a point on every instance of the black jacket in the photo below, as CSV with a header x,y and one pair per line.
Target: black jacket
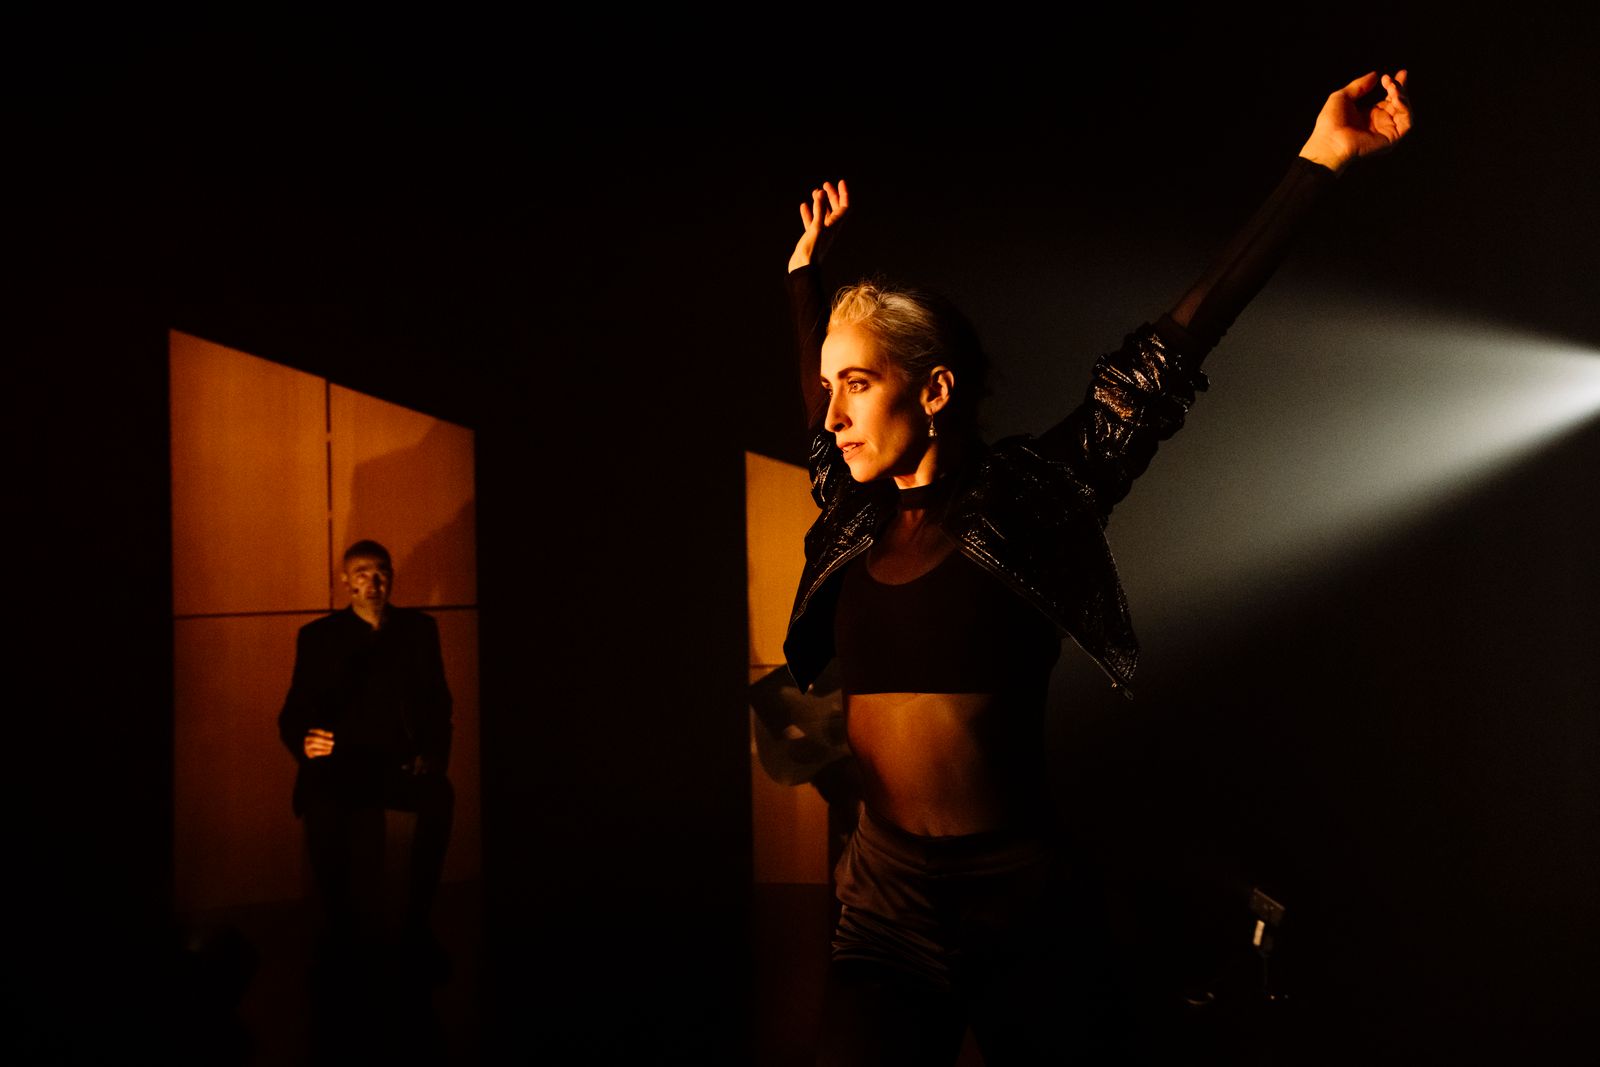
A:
x,y
1030,510
374,689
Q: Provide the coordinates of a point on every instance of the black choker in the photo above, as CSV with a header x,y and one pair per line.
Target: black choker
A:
x,y
922,496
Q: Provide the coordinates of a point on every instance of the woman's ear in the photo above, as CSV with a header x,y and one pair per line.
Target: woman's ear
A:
x,y
937,393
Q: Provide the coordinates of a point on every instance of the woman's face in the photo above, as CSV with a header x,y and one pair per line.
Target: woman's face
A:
x,y
875,415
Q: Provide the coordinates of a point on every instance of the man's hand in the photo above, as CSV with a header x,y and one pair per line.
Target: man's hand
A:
x,y
1346,130
821,224
318,743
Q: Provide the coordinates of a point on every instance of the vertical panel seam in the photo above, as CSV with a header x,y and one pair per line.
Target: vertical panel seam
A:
x,y
327,433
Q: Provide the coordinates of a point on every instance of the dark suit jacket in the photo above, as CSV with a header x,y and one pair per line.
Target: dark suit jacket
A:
x,y
350,678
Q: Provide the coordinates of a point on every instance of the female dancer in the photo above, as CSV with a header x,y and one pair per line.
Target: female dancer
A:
x,y
941,573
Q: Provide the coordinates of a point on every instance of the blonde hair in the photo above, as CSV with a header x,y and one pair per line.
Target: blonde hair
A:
x,y
919,330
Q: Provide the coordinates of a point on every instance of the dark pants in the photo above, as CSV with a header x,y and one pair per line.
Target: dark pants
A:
x,y
991,930
344,819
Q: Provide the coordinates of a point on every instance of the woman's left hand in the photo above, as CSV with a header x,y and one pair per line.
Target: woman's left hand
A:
x,y
820,219
1346,130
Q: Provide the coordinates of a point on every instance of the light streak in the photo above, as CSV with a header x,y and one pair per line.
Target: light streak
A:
x,y
1332,423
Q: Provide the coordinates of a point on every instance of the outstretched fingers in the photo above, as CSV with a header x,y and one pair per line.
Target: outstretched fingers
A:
x,y
1349,126
1359,87
819,218
838,201
811,214
1394,106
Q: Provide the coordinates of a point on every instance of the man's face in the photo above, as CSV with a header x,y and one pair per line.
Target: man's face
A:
x,y
369,581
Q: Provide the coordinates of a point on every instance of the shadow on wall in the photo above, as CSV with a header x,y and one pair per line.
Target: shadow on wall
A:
x,y
423,571
387,459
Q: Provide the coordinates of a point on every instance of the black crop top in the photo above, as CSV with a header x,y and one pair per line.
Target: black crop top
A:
x,y
955,629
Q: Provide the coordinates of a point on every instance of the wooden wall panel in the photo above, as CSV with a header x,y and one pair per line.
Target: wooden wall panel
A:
x,y
407,480
778,511
249,482
274,471
790,822
236,839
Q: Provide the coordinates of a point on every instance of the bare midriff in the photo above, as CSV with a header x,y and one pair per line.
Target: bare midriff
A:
x,y
941,764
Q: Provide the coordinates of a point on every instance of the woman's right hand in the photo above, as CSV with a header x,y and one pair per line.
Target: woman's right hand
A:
x,y
821,223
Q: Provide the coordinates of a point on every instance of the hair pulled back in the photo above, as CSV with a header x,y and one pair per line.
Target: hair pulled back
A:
x,y
918,330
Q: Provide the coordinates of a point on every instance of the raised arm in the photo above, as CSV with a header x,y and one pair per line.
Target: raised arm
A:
x,y
1345,130
820,220
1140,394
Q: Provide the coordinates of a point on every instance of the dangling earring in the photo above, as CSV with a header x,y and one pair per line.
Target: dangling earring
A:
x,y
933,431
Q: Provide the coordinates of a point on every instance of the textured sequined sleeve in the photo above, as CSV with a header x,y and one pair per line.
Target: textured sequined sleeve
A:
x,y
1137,398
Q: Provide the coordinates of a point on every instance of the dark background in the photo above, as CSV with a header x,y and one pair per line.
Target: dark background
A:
x,y
573,242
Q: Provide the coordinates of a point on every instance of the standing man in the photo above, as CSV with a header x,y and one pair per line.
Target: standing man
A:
x,y
368,720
